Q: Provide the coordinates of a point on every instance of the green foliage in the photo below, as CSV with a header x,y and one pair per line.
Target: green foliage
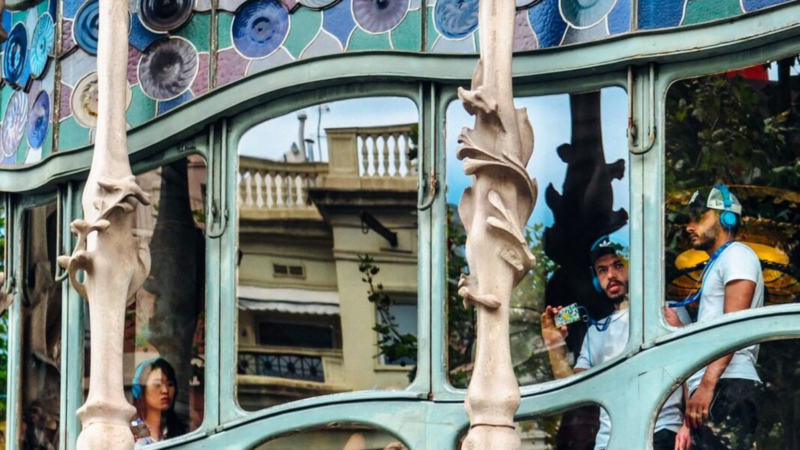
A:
x,y
725,128
721,129
392,344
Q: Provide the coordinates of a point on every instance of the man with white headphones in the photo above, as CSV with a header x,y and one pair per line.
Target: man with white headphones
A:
x,y
725,396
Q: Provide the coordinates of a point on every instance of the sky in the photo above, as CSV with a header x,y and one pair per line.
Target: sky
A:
x,y
549,116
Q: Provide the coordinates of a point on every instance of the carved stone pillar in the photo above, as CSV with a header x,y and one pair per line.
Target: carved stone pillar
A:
x,y
113,261
494,211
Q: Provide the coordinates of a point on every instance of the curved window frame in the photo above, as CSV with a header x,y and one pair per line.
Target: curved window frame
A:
x,y
234,129
430,413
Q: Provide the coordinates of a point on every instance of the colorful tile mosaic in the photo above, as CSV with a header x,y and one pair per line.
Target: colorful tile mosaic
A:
x,y
257,35
169,57
656,14
29,79
168,61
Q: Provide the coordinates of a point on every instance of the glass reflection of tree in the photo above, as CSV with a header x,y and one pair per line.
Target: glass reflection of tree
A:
x,y
743,130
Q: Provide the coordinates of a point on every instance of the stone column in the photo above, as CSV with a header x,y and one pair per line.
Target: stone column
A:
x,y
494,211
112,260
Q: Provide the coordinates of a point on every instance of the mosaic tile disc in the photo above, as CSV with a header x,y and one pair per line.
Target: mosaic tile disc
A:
x,y
165,15
167,68
378,16
456,19
42,43
16,53
14,122
260,27
84,101
39,120
85,29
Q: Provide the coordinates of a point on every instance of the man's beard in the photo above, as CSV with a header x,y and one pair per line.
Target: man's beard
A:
x,y
707,239
620,297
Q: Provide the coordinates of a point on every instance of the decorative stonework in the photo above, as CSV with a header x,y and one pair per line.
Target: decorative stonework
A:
x,y
494,211
114,263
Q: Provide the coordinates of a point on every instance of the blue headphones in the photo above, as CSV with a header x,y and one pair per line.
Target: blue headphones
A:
x,y
595,280
136,387
728,219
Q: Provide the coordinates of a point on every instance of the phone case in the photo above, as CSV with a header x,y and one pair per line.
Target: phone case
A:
x,y
567,315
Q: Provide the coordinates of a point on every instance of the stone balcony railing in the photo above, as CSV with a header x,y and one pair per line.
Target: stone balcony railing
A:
x,y
368,158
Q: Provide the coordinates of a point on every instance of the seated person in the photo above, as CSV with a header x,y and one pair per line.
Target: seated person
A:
x,y
605,340
154,391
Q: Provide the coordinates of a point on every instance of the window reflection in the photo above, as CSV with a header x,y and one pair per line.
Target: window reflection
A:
x,y
328,242
336,436
41,331
739,128
164,343
749,414
580,161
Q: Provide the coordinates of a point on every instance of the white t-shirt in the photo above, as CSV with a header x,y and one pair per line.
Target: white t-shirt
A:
x,y
601,346
737,262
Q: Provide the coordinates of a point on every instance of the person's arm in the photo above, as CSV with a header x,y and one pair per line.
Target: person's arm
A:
x,y
738,297
554,339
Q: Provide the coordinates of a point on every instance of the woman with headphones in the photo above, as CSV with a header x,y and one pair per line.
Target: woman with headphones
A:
x,y
154,391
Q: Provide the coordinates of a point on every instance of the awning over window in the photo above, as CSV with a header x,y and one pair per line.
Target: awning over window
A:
x,y
294,301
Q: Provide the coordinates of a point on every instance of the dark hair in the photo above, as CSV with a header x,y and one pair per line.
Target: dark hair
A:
x,y
171,424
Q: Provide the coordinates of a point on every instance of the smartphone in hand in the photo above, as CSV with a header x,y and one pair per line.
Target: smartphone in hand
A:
x,y
567,315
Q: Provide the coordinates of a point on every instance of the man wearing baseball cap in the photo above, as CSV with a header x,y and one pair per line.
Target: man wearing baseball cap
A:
x,y
605,340
725,396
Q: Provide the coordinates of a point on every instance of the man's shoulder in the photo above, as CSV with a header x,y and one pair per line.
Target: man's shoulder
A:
x,y
737,250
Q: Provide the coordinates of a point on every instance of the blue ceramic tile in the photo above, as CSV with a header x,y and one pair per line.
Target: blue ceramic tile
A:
x,y
260,27
754,5
168,68
15,55
655,14
165,15
456,19
44,39
39,120
168,105
86,26
547,23
619,19
140,36
585,14
339,21
71,7
379,16
51,8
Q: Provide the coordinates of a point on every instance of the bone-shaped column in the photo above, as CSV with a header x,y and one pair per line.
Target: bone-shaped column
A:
x,y
494,211
113,262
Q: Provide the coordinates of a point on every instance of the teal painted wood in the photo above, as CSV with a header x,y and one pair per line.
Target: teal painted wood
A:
x,y
234,130
631,388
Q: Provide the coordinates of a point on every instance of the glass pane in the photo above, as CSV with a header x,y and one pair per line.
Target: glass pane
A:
x,y
731,139
580,162
41,331
753,412
327,275
336,436
164,346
